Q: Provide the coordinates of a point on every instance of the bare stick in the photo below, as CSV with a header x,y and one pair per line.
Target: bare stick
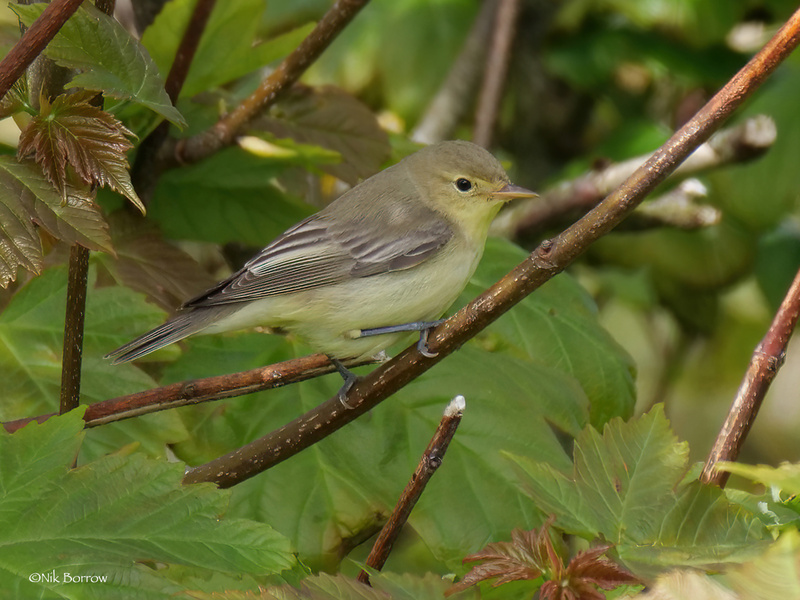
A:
x,y
33,41
456,94
186,393
288,72
550,258
766,360
570,199
494,76
431,460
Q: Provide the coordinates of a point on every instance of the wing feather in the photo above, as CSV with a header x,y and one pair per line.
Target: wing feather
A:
x,y
321,251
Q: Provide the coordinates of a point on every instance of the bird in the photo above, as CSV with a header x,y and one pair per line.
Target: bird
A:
x,y
387,257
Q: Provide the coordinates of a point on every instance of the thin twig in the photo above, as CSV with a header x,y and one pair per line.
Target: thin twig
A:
x,y
33,41
570,199
767,358
457,92
73,329
494,75
288,72
148,168
550,258
197,391
431,460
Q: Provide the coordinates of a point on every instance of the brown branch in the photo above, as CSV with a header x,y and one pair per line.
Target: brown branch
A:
x,y
494,75
73,328
34,40
197,391
288,72
570,199
767,358
431,460
148,168
457,92
550,258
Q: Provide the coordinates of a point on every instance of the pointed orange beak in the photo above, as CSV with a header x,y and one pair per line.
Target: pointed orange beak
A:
x,y
511,191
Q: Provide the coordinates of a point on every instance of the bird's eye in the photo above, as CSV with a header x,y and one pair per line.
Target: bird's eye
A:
x,y
463,185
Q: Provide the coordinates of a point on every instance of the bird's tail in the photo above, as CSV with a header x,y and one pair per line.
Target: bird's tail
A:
x,y
177,328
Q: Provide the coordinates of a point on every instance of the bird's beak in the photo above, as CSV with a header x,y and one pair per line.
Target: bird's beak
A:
x,y
511,191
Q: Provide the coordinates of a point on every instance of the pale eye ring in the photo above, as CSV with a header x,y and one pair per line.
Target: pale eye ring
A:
x,y
463,184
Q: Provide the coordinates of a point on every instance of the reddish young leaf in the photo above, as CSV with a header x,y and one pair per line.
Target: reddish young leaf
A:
x,y
527,556
71,138
586,572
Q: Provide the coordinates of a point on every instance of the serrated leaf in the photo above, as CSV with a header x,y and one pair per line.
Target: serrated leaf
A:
x,y
110,516
526,557
76,221
333,119
31,341
71,132
107,57
627,486
20,245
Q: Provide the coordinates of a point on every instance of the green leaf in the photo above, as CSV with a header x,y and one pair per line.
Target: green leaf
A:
x,y
70,131
76,221
335,490
230,196
31,333
107,57
335,120
782,479
557,327
627,486
229,47
112,516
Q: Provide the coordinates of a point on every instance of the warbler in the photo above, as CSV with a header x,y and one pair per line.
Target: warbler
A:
x,y
387,257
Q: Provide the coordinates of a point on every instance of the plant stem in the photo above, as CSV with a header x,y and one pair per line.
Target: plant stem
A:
x,y
767,359
431,460
73,329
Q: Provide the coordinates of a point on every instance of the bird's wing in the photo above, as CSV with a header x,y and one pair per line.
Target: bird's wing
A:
x,y
319,252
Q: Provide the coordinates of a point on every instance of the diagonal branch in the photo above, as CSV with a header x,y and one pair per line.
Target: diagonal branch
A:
x,y
33,41
550,258
431,460
766,360
288,72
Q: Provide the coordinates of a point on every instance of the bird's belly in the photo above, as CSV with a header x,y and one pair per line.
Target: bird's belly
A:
x,y
329,317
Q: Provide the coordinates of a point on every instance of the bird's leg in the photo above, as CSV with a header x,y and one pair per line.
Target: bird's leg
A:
x,y
349,379
424,328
